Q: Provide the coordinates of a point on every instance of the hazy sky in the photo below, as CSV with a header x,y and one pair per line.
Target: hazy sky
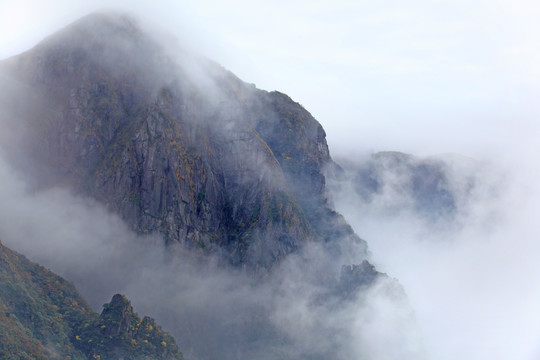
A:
x,y
417,76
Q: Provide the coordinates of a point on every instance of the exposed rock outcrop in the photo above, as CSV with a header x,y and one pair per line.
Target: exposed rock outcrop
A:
x,y
175,144
119,333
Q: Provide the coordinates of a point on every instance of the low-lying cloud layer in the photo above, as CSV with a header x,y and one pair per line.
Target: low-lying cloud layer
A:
x,y
472,279
212,311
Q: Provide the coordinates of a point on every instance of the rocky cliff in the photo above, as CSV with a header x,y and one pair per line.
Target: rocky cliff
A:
x,y
171,141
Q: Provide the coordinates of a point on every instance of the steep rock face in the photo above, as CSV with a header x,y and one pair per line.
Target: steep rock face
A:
x,y
42,316
175,144
299,144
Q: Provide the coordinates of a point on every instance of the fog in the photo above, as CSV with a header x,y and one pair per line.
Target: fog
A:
x,y
419,77
456,76
470,278
214,312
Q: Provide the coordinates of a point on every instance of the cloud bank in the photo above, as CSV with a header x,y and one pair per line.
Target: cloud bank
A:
x,y
213,312
472,279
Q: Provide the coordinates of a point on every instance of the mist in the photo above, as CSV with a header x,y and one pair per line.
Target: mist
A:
x,y
447,78
471,277
451,74
213,311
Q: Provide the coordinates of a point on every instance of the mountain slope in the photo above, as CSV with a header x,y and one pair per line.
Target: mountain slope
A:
x,y
42,316
179,147
172,142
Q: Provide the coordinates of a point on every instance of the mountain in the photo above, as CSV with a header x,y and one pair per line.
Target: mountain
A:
x,y
254,262
171,141
42,316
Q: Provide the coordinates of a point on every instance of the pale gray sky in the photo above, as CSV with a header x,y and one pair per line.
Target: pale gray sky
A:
x,y
418,76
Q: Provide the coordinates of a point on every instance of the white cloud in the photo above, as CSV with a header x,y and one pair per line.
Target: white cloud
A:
x,y
472,286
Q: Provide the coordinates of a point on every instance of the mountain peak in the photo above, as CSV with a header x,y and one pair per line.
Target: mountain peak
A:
x,y
98,24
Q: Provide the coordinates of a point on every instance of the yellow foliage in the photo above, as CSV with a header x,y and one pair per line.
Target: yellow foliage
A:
x,y
163,343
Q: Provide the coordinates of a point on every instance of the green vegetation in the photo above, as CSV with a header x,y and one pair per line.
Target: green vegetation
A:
x,y
37,310
42,316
